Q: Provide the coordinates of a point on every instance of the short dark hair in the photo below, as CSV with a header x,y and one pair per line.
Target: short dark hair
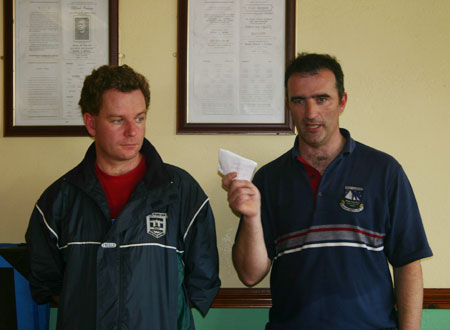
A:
x,y
311,63
122,78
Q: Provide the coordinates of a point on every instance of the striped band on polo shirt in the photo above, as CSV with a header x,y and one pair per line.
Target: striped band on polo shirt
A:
x,y
329,236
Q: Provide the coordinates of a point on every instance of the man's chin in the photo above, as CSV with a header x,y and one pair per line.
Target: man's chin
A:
x,y
130,150
128,155
315,141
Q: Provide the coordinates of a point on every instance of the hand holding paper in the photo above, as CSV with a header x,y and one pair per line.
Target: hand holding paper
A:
x,y
231,162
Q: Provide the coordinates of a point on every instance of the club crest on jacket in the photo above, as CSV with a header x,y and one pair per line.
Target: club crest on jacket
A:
x,y
156,224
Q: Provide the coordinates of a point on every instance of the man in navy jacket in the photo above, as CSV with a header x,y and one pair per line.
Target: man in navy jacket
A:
x,y
124,240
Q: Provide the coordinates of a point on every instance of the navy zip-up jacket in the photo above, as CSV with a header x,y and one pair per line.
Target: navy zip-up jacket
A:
x,y
140,272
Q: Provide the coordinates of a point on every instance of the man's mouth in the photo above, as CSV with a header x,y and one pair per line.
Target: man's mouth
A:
x,y
129,145
312,126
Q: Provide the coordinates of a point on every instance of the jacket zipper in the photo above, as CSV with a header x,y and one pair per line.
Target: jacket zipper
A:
x,y
120,291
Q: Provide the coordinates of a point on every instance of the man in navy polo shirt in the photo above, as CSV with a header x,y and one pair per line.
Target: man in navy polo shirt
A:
x,y
328,217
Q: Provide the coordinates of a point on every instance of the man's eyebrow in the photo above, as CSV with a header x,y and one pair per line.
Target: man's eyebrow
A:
x,y
293,98
140,114
112,115
321,95
316,96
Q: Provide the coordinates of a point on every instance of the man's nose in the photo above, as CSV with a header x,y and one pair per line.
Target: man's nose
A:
x,y
311,108
130,129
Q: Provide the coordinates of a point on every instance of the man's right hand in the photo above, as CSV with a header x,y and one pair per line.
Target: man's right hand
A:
x,y
243,196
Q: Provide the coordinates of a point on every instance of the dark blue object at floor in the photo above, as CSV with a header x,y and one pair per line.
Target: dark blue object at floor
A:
x,y
18,311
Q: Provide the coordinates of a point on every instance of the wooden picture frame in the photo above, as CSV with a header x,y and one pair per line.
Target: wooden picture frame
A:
x,y
12,62
187,126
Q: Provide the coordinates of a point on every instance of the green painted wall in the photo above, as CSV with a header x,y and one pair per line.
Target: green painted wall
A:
x,y
436,319
255,319
230,318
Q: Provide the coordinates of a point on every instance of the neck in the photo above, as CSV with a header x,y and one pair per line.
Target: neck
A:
x,y
321,156
116,168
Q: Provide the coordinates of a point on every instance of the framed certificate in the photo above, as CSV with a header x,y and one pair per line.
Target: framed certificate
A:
x,y
232,57
50,46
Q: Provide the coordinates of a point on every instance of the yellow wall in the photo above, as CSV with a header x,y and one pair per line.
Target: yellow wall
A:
x,y
395,56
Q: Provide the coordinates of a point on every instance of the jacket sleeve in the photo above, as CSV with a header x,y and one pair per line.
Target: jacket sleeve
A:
x,y
45,259
201,258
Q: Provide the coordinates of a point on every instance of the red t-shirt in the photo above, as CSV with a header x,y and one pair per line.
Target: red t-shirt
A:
x,y
118,189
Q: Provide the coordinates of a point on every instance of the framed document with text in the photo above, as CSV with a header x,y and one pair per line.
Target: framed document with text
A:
x,y
50,46
232,57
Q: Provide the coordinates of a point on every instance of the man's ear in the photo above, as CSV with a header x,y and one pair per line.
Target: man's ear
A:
x,y
89,122
343,103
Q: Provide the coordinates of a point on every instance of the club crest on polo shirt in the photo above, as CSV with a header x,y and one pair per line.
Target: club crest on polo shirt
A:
x,y
352,201
156,224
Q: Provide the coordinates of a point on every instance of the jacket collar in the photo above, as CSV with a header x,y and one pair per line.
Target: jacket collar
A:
x,y
156,175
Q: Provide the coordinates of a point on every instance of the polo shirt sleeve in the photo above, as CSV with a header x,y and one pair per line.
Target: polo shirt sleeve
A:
x,y
406,240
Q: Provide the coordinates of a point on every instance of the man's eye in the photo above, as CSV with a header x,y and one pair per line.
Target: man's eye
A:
x,y
140,119
298,101
116,121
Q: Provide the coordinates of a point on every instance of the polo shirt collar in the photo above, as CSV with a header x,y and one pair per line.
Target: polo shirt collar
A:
x,y
349,146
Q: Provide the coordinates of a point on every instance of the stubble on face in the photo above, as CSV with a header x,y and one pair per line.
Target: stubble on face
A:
x,y
315,106
119,131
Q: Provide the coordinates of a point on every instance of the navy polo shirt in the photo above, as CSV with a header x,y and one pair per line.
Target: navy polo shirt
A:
x,y
330,258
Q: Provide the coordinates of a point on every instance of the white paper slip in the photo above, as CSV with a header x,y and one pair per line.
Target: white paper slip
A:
x,y
231,162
